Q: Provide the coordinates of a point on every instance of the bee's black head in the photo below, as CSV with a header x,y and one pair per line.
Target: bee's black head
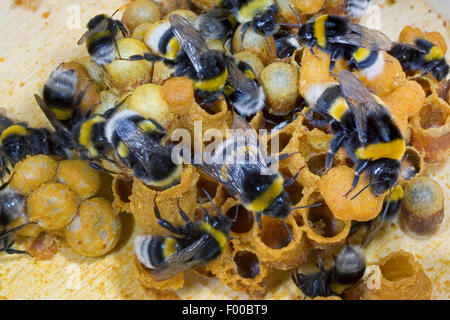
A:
x,y
384,175
95,21
222,222
305,34
265,24
213,63
280,207
440,71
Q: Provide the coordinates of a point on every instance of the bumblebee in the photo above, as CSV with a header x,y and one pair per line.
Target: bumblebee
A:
x,y
335,35
162,41
206,68
137,143
243,168
423,56
243,91
377,145
60,96
215,24
285,44
347,271
12,205
17,141
101,38
195,243
257,14
85,134
370,62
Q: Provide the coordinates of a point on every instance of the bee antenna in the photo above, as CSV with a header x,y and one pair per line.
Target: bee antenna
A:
x,y
296,15
3,186
308,206
268,46
362,190
115,13
291,235
211,200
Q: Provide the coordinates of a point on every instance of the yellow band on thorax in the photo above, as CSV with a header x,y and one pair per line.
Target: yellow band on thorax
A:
x,y
214,84
435,53
267,197
319,30
391,150
361,54
173,47
170,247
85,138
15,129
218,235
337,108
63,113
247,12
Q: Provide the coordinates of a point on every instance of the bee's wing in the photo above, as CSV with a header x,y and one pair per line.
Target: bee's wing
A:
x,y
256,155
360,100
84,37
58,125
228,176
180,261
238,79
409,46
190,40
99,28
242,146
364,37
140,143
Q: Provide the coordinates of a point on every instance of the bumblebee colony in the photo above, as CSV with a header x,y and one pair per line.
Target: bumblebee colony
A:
x,y
136,79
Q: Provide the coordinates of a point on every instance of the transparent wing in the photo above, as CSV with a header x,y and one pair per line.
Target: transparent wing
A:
x,y
139,143
58,125
360,100
101,27
180,261
364,37
409,46
238,79
241,150
190,40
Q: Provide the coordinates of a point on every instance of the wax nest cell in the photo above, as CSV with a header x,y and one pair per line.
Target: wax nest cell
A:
x,y
95,230
126,75
80,177
333,187
431,129
32,172
422,206
138,12
402,278
52,206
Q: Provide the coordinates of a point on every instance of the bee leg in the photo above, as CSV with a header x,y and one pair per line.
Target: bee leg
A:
x,y
290,181
183,214
7,248
207,216
164,223
335,144
291,235
122,28
244,30
98,167
258,220
359,170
